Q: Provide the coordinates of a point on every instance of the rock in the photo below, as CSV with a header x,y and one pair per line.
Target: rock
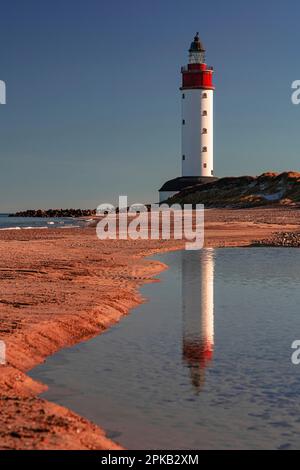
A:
x,y
51,213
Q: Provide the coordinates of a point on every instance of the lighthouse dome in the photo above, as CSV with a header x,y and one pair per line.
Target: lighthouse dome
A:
x,y
196,45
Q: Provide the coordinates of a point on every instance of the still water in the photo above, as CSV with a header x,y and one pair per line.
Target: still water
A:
x,y
204,364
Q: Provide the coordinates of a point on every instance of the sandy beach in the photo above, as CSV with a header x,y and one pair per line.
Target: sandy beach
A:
x,y
60,287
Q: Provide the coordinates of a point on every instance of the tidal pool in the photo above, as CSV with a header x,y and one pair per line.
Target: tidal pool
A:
x,y
204,364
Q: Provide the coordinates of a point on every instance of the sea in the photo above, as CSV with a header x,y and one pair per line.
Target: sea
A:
x,y
23,223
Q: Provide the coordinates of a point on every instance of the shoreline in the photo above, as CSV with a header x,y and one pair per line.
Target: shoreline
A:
x,y
29,422
64,287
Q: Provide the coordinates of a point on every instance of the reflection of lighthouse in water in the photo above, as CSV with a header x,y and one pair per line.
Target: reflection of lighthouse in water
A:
x,y
198,312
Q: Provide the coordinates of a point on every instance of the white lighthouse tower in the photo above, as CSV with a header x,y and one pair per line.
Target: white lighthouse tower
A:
x,y
197,151
197,114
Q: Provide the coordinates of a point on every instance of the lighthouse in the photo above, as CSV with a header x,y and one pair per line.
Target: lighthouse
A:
x,y
197,114
197,123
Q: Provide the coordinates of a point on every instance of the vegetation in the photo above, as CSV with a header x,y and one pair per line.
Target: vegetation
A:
x,y
244,191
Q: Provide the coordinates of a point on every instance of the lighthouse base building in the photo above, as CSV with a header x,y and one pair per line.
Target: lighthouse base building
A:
x,y
197,124
176,185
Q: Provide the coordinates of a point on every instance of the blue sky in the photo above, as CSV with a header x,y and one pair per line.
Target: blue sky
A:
x,y
93,104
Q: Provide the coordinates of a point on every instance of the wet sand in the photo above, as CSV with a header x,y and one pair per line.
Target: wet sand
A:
x,y
60,287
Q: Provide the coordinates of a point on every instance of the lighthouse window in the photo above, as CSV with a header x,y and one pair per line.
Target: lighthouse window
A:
x,y
204,131
183,157
183,96
204,113
204,149
204,95
212,172
204,165
183,121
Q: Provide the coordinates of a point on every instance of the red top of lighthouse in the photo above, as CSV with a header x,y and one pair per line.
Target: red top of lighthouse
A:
x,y
196,74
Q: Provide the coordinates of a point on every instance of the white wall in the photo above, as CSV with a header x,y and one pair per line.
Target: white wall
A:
x,y
193,138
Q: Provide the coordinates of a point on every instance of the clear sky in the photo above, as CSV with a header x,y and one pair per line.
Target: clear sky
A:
x,y
93,103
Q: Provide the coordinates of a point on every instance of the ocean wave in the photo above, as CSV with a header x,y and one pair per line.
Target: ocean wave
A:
x,y
23,228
